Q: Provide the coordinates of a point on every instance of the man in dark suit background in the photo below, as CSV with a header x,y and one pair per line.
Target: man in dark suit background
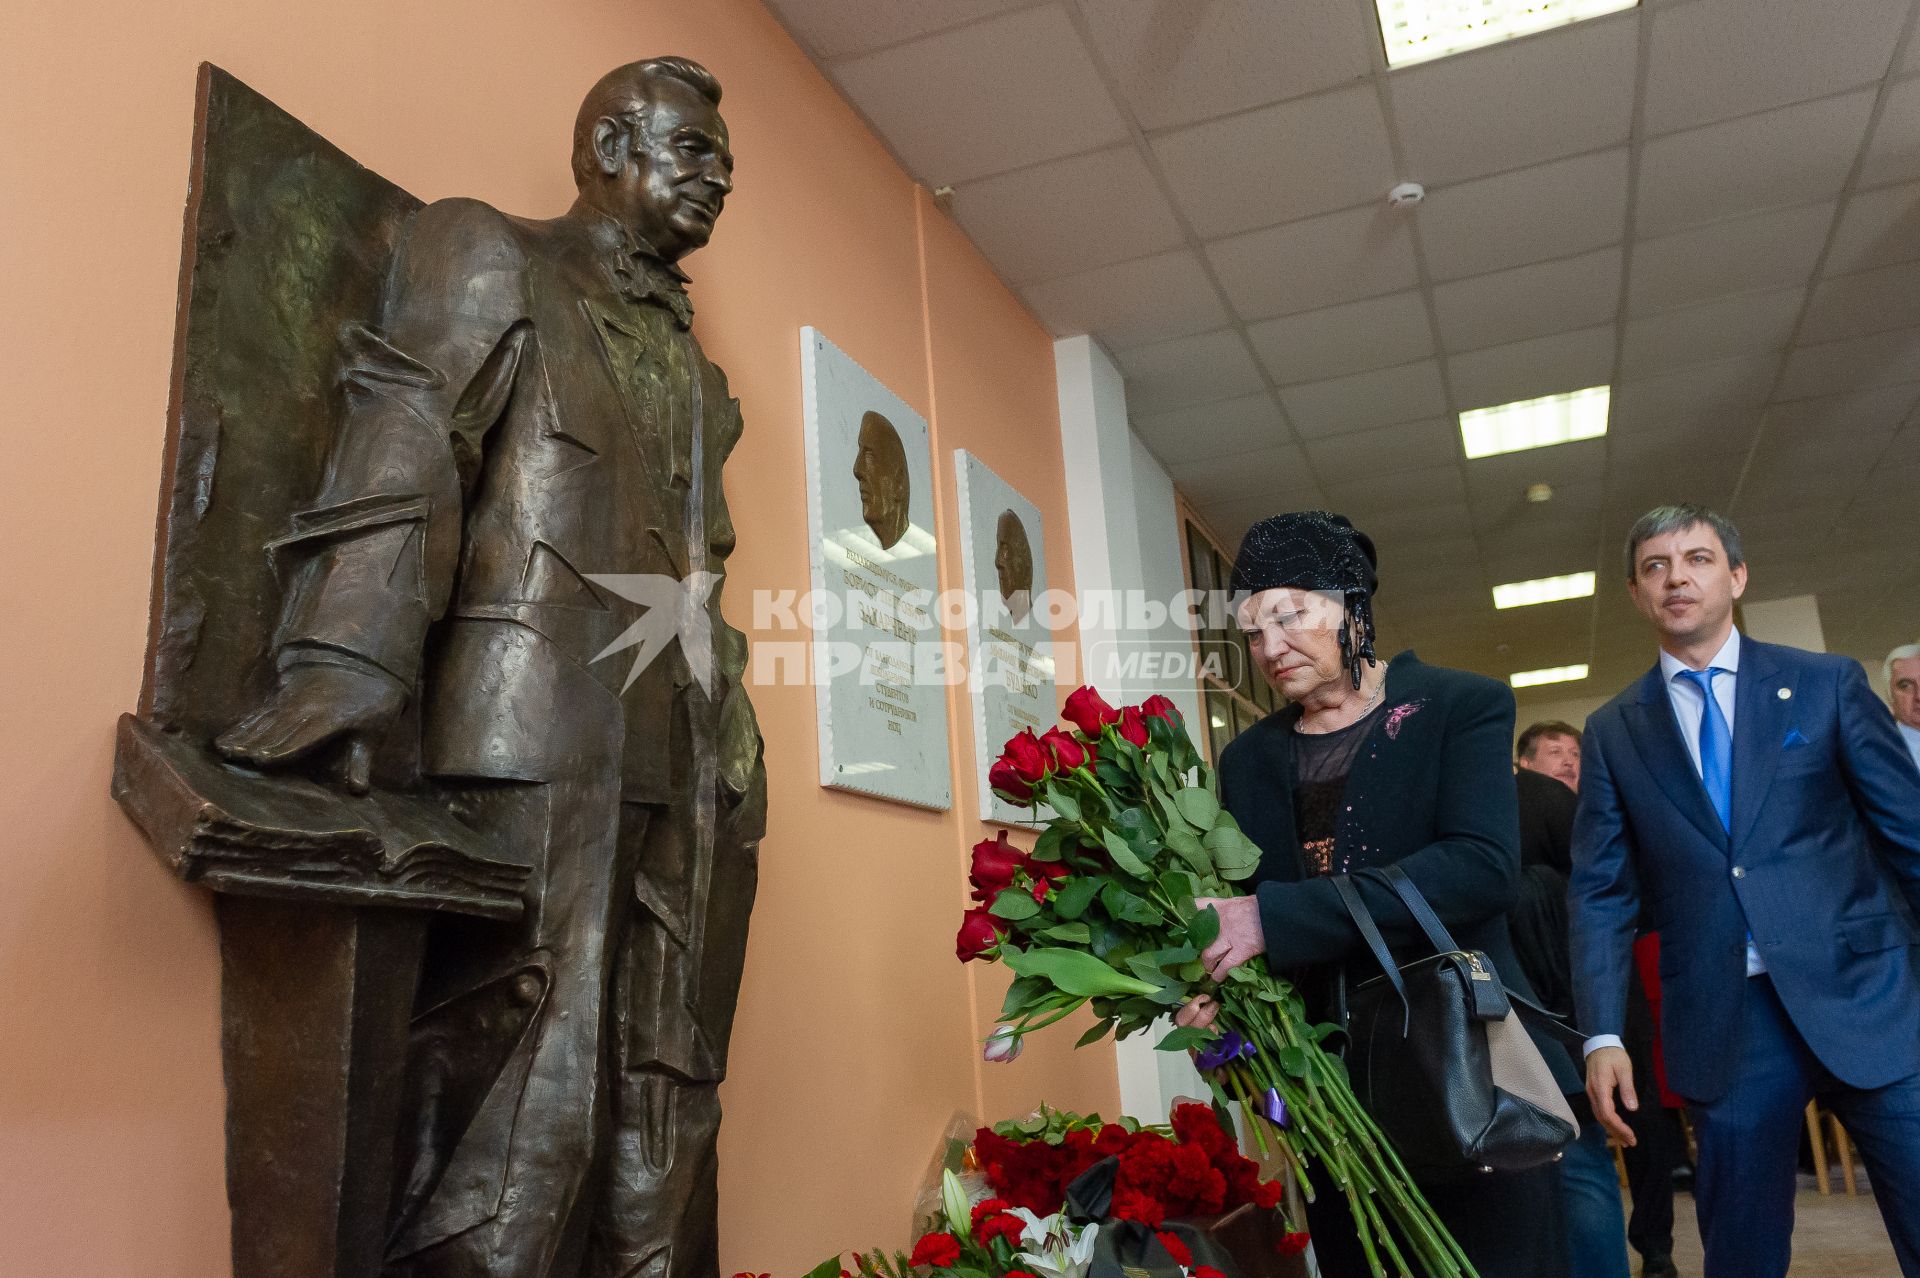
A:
x,y
1753,804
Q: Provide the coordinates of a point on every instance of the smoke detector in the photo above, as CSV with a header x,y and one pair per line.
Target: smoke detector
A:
x,y
1406,195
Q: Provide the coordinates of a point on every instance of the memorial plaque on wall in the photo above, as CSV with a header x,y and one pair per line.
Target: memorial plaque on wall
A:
x,y
878,670
1010,660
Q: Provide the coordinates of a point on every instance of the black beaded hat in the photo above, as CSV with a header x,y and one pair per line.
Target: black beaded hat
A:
x,y
1315,550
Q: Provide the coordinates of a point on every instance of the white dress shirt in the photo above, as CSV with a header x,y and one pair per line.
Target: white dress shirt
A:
x,y
1684,696
1912,737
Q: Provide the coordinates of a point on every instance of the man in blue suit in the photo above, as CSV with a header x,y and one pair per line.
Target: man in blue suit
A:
x,y
1755,806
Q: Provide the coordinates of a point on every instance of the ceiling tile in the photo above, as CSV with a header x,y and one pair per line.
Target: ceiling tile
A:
x,y
1190,370
1740,325
1877,229
1321,261
1222,479
1529,301
1504,513
1791,156
1698,392
1280,163
1130,303
1869,302
1713,446
1023,83
1402,490
1721,58
1379,398
1231,518
1068,216
1855,364
1529,369
1228,426
1499,108
1894,153
1767,250
841,28
1337,340
1176,62
1393,525
1567,467
1408,446
1530,215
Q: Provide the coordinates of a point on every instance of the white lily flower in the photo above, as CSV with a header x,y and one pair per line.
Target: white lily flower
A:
x,y
1057,1248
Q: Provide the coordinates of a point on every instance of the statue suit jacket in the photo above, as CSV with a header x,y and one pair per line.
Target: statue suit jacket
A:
x,y
1822,865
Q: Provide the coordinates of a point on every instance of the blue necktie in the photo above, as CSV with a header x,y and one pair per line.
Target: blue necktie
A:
x,y
1716,745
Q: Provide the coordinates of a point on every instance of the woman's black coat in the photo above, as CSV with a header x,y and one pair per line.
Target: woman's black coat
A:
x,y
1431,789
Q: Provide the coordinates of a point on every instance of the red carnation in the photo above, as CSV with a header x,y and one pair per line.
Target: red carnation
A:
x,y
979,932
988,1207
1293,1243
1181,1253
1027,757
1068,752
1131,1204
1086,711
1006,1225
936,1251
995,862
1160,707
1133,726
1003,778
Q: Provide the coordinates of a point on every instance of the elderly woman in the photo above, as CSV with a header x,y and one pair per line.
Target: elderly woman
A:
x,y
1367,765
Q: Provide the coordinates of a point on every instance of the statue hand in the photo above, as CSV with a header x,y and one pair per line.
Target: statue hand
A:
x,y
317,704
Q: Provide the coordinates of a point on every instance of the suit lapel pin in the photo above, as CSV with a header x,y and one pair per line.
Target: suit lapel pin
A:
x,y
1786,694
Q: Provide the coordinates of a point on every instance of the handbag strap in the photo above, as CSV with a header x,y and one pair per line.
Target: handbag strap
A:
x,y
1416,903
1370,932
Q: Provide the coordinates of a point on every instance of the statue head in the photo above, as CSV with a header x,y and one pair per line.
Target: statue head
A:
x,y
650,150
881,471
1013,564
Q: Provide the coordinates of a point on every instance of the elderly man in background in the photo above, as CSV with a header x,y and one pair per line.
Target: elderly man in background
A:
x,y
1903,691
1551,748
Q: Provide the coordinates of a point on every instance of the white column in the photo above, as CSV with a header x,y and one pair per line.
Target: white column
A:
x,y
1793,621
1127,557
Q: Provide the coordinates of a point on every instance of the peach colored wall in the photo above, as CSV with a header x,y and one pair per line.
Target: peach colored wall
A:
x,y
857,1035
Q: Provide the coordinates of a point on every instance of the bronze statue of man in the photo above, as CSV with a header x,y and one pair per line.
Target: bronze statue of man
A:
x,y
513,567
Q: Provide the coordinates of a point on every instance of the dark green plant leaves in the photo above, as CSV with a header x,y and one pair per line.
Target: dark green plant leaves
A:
x,y
1077,972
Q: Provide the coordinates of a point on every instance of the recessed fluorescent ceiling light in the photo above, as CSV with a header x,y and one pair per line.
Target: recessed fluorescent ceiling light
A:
x,y
1519,594
1552,674
1422,30
1536,423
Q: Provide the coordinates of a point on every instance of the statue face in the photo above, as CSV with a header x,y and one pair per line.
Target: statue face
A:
x,y
1013,564
881,471
679,171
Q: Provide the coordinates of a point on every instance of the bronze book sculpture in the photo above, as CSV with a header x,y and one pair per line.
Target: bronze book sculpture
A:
x,y
441,704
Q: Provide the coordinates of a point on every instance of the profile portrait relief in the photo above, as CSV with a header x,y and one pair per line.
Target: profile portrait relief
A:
x,y
1013,564
881,471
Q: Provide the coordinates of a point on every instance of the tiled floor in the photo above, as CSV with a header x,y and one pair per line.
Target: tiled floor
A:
x,y
1833,1237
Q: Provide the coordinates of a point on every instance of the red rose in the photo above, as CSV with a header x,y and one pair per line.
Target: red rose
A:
x,y
936,1251
1002,777
1293,1243
1068,753
1207,1271
1027,757
995,862
979,932
1159,707
1006,1225
1088,712
1046,874
1133,726
1181,1253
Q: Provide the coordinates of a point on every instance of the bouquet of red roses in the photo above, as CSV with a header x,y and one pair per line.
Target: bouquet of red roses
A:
x,y
1100,912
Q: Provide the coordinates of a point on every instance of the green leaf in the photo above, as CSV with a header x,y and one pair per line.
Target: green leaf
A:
x,y
1077,933
1063,802
1123,856
1053,841
1186,1038
1071,901
1204,928
1125,907
1233,853
1021,995
828,1268
1199,807
1015,903
1293,1060
1078,972
1185,845
1094,1035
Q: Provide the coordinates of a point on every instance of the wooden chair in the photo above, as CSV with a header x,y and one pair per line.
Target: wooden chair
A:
x,y
1842,1149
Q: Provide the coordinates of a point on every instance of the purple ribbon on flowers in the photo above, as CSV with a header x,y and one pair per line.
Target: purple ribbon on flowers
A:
x,y
1275,1108
1227,1048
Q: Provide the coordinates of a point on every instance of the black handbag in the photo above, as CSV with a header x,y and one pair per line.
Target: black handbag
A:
x,y
1438,1055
